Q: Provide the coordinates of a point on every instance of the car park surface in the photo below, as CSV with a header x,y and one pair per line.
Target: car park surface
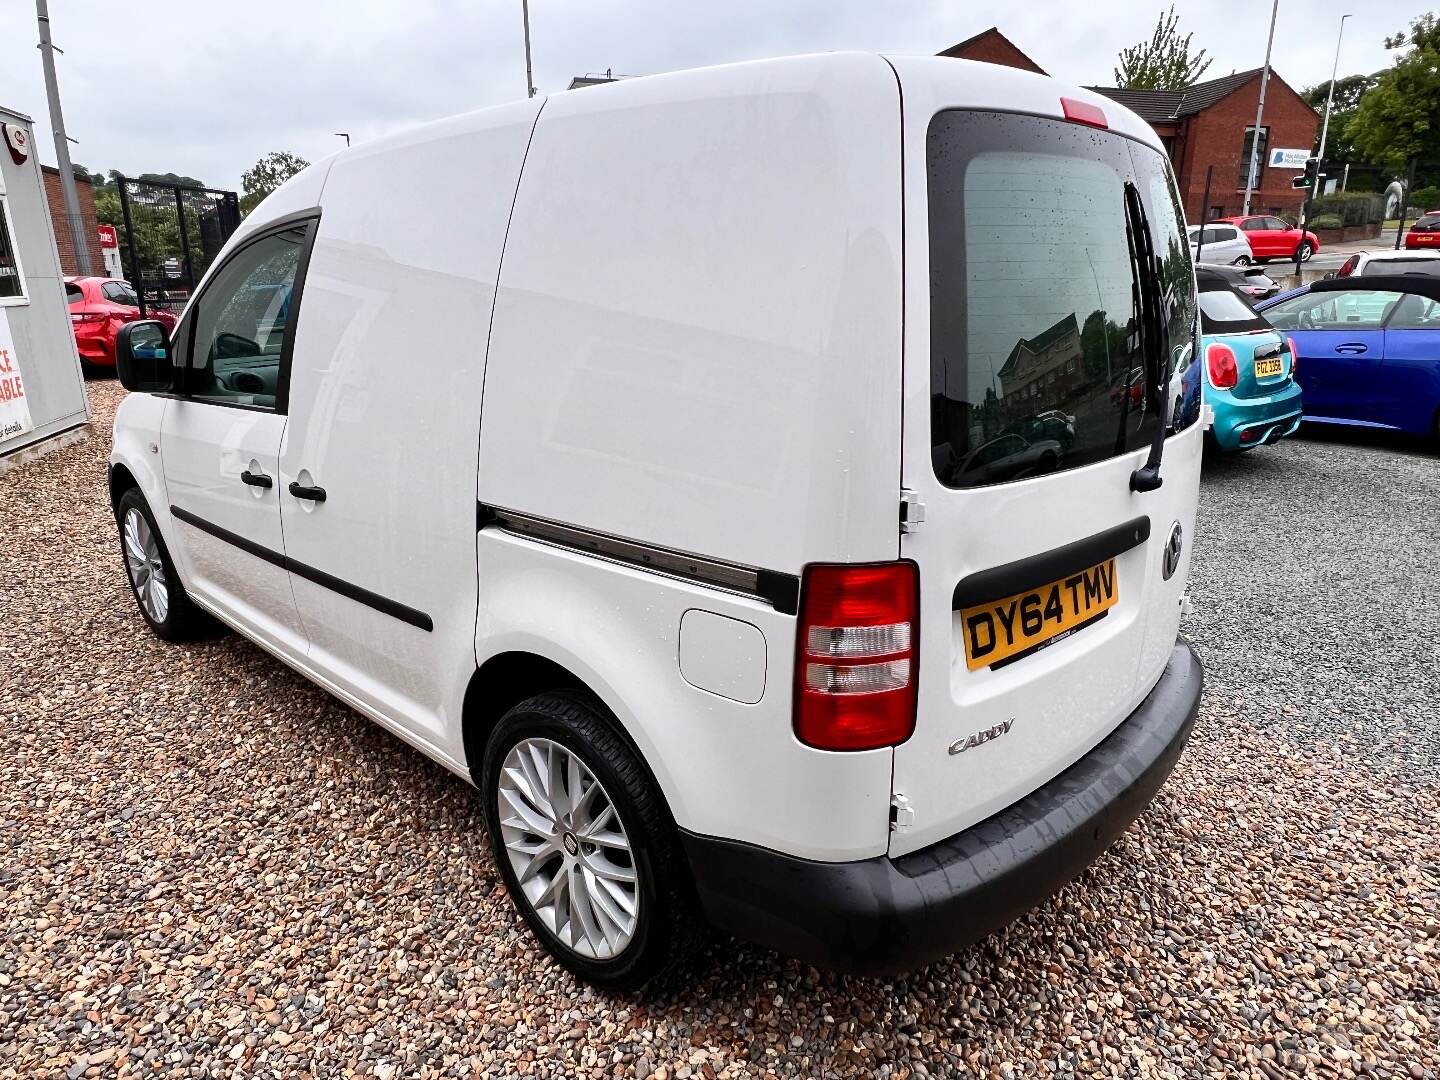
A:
x,y
228,872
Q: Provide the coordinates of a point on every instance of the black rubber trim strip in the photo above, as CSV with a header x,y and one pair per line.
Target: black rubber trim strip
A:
x,y
383,604
781,591
1001,581
883,916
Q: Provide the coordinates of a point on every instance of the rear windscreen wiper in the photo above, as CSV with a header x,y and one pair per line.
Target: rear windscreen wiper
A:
x,y
1154,331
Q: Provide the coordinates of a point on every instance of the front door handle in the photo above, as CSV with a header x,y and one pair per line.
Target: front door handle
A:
x,y
306,491
256,479
1353,348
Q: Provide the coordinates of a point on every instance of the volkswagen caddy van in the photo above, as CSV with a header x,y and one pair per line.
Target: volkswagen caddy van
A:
x,y
734,491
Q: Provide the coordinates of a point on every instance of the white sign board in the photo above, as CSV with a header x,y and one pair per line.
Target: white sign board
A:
x,y
1289,159
14,409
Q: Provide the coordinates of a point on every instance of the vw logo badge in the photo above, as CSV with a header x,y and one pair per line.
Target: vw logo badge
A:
x,y
1173,547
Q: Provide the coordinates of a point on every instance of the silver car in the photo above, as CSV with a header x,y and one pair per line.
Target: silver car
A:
x,y
1220,242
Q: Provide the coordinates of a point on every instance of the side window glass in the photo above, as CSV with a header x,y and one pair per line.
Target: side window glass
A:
x,y
240,322
12,282
1414,312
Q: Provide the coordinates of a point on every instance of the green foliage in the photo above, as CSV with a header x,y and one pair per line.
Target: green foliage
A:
x,y
1326,221
1399,118
1352,208
1424,198
1162,63
1339,147
266,175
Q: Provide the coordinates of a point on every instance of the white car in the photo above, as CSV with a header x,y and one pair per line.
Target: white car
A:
x,y
1371,263
1219,242
617,494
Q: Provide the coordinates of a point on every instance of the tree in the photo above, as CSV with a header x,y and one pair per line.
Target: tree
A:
x,y
1399,117
1348,91
266,175
1162,63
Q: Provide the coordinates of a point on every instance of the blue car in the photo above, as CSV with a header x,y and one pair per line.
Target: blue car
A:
x,y
1369,348
1249,369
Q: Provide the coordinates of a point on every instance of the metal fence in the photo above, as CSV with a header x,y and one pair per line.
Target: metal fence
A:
x,y
171,235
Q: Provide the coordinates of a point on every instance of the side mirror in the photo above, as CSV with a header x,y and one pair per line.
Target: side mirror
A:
x,y
143,360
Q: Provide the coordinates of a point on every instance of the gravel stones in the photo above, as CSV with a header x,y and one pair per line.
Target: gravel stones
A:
x,y
210,868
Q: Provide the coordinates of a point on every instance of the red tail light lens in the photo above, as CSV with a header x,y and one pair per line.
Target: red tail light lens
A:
x,y
1082,112
1224,373
856,650
86,316
1294,356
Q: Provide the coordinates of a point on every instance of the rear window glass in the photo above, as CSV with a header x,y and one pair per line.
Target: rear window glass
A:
x,y
1429,267
73,293
1034,360
1224,306
1427,221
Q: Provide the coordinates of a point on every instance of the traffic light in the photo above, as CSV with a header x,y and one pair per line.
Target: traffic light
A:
x,y
1312,169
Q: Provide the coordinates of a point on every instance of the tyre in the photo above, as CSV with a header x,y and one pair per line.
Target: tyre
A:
x,y
1305,250
585,843
153,581
1241,260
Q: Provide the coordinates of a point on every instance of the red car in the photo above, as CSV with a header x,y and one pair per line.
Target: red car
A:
x,y
1272,238
1425,233
98,308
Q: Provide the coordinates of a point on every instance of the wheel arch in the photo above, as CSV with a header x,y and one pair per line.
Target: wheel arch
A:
x,y
507,678
121,480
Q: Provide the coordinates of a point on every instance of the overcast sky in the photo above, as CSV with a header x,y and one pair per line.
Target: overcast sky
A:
x,y
204,88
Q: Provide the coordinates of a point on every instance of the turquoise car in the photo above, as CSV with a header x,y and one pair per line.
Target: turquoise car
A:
x,y
1249,370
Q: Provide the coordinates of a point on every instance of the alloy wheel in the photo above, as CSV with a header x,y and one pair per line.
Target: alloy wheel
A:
x,y
568,849
145,566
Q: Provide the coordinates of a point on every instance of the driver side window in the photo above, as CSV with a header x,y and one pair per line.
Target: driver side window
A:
x,y
240,321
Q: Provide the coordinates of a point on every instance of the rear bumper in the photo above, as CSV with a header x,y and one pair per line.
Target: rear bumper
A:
x,y
1263,419
886,915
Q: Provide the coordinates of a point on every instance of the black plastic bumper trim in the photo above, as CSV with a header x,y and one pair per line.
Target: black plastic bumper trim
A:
x,y
1015,577
884,916
383,604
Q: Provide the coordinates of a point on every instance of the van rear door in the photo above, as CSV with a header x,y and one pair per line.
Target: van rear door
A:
x,y
1046,615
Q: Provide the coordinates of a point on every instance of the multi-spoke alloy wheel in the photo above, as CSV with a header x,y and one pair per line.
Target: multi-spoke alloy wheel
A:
x,y
568,848
145,566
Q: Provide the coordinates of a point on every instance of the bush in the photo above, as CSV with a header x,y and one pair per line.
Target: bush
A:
x,y
1327,221
1425,198
1352,208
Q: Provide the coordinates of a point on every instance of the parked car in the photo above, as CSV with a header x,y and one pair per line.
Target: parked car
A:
x,y
1272,237
1383,263
1249,369
1253,281
685,596
1052,425
1370,349
99,307
1010,457
1221,242
1424,235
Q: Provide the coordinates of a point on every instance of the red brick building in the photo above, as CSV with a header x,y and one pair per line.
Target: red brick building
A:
x,y
1208,124
61,223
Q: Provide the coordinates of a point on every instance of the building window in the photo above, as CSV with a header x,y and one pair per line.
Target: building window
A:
x,y
1217,212
12,279
1259,158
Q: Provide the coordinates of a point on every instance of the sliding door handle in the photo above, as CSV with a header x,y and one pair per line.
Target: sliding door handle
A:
x,y
256,479
306,491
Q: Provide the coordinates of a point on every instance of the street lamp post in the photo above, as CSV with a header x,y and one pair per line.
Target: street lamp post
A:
x,y
1330,97
79,240
1260,111
529,77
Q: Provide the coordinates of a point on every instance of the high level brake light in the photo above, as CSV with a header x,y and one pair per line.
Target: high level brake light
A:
x,y
1082,112
856,651
1220,360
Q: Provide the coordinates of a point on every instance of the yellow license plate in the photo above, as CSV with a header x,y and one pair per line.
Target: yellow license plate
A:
x,y
1000,630
1267,367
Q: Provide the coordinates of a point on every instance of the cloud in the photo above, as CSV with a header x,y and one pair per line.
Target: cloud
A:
x,y
205,89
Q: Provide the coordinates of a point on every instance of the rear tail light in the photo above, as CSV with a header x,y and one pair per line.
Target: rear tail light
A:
x,y
856,655
86,316
1224,373
1294,356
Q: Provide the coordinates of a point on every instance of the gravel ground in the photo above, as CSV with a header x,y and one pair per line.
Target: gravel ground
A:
x,y
210,868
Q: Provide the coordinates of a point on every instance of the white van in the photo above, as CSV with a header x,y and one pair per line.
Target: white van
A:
x,y
758,481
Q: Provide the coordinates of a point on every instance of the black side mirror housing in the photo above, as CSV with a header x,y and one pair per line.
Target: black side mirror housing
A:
x,y
144,361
